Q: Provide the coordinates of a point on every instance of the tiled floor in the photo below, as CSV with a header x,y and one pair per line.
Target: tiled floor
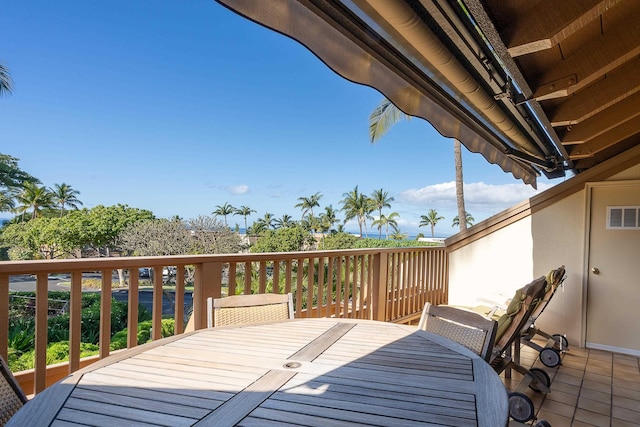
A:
x,y
590,388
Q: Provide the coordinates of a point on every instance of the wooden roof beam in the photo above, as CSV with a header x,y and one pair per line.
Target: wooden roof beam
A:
x,y
592,61
605,140
604,121
618,85
530,34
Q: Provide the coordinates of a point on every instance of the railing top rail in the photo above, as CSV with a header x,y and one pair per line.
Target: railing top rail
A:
x,y
91,264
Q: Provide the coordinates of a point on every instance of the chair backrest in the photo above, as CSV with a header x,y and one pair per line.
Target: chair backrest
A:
x,y
11,395
238,309
518,313
554,280
470,329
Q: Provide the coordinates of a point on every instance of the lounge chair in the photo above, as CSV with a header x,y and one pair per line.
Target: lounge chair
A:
x,y
238,309
557,344
469,329
12,398
510,325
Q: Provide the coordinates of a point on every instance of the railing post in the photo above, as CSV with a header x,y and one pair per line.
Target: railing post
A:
x,y
42,311
4,315
105,313
207,283
379,286
75,321
156,312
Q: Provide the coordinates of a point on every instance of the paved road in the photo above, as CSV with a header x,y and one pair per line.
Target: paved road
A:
x,y
61,283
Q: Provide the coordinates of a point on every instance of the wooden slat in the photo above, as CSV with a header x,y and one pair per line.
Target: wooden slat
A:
x,y
42,316
178,310
105,313
132,308
75,321
4,315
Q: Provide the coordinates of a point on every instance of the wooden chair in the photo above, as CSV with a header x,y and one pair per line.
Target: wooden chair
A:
x,y
464,327
11,395
238,309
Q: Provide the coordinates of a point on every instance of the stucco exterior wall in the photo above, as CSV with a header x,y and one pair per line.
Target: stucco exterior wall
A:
x,y
510,258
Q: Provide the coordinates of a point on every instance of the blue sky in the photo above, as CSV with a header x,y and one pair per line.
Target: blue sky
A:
x,y
181,106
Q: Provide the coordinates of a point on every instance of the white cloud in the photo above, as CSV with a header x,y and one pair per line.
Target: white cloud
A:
x,y
239,189
478,196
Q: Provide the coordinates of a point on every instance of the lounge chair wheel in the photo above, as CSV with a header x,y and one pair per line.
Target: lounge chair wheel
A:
x,y
550,357
539,377
520,407
561,342
542,423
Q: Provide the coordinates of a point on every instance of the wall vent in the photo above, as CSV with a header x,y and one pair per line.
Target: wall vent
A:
x,y
623,217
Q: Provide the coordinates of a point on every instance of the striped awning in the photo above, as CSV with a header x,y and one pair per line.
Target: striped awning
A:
x,y
390,46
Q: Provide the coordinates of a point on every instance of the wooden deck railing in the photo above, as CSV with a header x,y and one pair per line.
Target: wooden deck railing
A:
x,y
379,284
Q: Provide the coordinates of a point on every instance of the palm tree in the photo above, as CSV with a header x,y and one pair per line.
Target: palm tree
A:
x,y
63,195
386,221
308,203
398,235
283,222
330,216
6,202
6,84
33,197
381,200
224,210
468,217
245,211
266,220
385,115
431,218
357,205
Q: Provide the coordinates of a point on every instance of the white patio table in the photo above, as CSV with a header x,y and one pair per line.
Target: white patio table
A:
x,y
312,372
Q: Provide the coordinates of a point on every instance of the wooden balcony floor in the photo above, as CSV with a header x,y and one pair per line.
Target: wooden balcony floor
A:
x,y
590,388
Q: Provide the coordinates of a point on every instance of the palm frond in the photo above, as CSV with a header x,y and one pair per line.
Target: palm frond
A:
x,y
385,115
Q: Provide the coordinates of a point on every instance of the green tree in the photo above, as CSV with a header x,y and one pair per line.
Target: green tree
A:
x,y
213,237
356,205
430,219
329,217
6,84
308,203
468,217
11,176
245,211
288,239
106,223
63,195
33,197
156,237
223,211
385,115
338,241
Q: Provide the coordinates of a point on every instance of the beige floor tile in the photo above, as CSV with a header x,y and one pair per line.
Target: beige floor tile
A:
x,y
622,423
595,385
631,385
558,408
601,408
562,397
565,388
599,370
592,418
577,423
600,355
626,392
554,419
626,415
599,396
623,402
